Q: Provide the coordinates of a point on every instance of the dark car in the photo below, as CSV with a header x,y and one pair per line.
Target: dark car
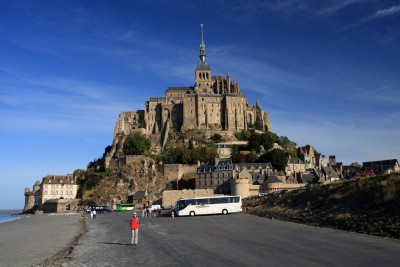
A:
x,y
103,210
100,209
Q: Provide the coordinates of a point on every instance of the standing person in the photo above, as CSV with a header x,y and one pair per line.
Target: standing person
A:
x,y
91,213
172,215
147,211
94,214
135,229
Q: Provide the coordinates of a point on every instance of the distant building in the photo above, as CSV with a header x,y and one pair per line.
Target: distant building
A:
x,y
215,175
46,195
295,165
58,187
33,199
381,166
307,155
245,179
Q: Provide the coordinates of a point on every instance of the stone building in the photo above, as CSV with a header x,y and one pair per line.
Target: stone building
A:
x,y
249,179
217,175
381,166
308,155
214,101
58,187
33,198
56,193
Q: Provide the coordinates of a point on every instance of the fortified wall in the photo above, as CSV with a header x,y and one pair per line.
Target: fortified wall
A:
x,y
173,172
169,197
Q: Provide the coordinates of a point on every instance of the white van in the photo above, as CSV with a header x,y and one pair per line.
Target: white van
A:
x,y
155,207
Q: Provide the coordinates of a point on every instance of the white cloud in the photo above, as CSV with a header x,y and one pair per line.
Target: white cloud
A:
x,y
378,14
387,12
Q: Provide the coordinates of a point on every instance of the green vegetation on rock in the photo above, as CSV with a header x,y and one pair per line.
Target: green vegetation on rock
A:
x,y
136,144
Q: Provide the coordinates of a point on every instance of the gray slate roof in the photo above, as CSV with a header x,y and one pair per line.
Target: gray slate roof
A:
x,y
203,65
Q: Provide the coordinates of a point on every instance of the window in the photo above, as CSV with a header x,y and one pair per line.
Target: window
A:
x,y
201,201
214,200
223,200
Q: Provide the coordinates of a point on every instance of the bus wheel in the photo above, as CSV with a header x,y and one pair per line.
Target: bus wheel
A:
x,y
224,212
191,213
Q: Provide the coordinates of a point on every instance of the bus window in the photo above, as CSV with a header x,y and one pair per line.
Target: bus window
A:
x,y
214,200
235,199
181,204
190,202
202,201
223,200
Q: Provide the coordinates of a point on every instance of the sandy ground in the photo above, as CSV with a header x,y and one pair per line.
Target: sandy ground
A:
x,y
39,240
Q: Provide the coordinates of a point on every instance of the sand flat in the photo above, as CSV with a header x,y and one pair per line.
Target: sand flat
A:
x,y
33,239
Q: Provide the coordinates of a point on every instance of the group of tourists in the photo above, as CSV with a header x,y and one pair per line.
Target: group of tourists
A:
x,y
93,213
148,212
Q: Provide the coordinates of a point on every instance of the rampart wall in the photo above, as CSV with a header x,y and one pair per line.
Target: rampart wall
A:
x,y
170,197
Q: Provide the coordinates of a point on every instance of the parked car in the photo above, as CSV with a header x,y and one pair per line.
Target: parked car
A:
x,y
262,194
104,210
100,209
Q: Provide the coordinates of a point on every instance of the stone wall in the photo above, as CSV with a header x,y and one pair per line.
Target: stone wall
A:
x,y
170,197
60,206
272,187
172,172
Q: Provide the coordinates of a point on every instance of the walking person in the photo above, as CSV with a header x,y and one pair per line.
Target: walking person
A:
x,y
94,214
172,215
91,214
135,223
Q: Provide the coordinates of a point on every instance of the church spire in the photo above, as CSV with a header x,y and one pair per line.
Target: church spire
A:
x,y
203,65
203,71
202,46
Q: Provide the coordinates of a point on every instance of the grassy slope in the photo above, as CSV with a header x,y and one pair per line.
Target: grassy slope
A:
x,y
367,205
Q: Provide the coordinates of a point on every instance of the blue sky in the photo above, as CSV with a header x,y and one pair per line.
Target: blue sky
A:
x,y
327,72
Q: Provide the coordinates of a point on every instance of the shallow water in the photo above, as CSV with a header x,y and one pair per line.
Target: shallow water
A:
x,y
8,215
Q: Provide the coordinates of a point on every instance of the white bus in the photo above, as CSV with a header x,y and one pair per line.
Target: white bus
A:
x,y
208,205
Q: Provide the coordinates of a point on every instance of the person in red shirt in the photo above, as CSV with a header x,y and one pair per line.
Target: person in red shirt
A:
x,y
135,229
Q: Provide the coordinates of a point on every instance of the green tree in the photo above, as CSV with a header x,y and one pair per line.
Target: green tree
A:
x,y
238,157
283,141
291,152
258,126
251,157
136,144
243,135
216,137
277,157
255,141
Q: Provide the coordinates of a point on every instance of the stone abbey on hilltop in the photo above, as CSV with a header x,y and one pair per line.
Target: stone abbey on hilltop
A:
x,y
212,102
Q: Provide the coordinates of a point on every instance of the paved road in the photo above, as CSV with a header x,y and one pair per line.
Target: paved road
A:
x,y
231,240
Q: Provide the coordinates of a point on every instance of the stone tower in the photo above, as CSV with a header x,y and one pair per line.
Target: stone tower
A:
x,y
203,82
